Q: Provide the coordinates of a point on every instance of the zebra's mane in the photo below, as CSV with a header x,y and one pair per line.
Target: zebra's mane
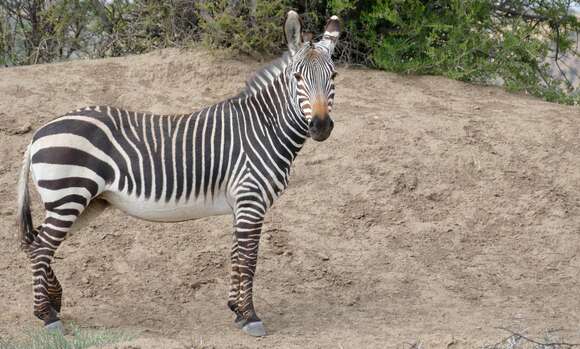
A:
x,y
265,75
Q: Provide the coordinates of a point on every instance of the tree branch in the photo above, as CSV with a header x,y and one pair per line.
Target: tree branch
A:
x,y
548,344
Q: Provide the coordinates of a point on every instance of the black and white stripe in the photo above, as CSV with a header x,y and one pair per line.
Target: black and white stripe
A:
x,y
232,157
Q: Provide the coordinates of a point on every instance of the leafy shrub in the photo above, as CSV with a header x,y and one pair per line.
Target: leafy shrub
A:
x,y
137,27
252,29
488,41
478,40
35,33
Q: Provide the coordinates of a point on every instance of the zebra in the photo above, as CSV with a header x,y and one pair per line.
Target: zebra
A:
x,y
233,157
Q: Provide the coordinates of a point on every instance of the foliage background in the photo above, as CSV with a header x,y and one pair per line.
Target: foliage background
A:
x,y
507,42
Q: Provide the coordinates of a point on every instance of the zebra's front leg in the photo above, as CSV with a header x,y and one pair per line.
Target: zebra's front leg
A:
x,y
234,293
248,227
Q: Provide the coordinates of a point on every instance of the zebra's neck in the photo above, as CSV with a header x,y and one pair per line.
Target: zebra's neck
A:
x,y
274,130
274,93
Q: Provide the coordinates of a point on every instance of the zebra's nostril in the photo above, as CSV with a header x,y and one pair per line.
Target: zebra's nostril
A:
x,y
316,123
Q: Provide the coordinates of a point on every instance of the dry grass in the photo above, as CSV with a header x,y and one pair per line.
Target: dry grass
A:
x,y
75,339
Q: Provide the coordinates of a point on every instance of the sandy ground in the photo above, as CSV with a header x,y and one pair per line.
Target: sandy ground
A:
x,y
436,213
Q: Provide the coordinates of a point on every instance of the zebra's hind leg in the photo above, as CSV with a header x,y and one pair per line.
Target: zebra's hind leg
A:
x,y
54,290
59,220
46,287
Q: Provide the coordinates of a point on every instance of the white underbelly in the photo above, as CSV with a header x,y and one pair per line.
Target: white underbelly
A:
x,y
162,211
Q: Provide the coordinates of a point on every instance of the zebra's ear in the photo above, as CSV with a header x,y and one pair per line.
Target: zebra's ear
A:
x,y
331,33
293,32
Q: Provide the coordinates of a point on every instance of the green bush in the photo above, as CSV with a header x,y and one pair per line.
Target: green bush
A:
x,y
251,30
138,27
486,41
478,40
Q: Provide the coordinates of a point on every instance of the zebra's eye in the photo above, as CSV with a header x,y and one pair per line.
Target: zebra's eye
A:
x,y
298,76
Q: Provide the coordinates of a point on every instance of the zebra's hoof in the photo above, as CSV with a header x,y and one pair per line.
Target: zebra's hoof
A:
x,y
254,329
239,322
55,327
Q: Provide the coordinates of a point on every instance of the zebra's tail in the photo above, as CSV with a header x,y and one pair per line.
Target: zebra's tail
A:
x,y
24,215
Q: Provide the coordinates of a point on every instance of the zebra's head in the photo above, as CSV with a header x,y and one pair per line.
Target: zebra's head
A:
x,y
312,74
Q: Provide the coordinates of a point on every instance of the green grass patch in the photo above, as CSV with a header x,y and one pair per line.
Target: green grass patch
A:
x,y
74,339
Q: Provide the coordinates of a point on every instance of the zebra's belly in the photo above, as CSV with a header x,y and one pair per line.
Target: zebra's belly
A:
x,y
160,211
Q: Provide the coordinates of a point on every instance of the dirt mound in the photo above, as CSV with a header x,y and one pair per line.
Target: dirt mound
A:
x,y
437,212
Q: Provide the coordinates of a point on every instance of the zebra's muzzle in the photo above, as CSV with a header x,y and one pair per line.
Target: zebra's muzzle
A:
x,y
320,128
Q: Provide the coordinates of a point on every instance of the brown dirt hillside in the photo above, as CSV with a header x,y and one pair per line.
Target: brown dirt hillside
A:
x,y
436,213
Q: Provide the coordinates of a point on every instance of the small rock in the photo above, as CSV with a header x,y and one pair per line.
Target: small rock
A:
x,y
405,182
21,130
451,342
353,301
324,257
435,196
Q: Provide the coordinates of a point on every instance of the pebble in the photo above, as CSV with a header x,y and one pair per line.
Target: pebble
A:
x,y
20,130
